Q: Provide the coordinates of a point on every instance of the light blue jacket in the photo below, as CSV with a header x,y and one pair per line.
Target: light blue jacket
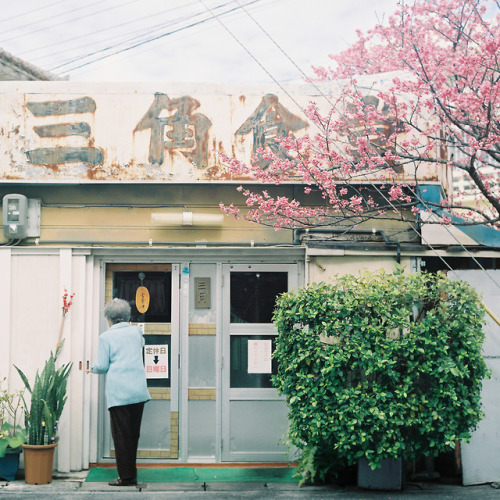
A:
x,y
119,355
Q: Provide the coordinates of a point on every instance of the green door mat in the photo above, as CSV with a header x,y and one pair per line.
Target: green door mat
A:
x,y
200,475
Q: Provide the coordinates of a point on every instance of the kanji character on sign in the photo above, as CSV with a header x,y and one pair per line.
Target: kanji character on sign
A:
x,y
63,154
180,130
269,121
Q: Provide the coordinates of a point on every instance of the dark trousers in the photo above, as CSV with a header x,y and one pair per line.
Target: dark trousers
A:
x,y
125,429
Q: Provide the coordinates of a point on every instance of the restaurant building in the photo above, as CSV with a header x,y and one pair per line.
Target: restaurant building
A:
x,y
113,190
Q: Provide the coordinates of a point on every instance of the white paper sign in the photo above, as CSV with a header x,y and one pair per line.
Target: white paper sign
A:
x,y
156,360
259,356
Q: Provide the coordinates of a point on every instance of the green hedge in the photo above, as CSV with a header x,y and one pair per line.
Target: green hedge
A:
x,y
397,372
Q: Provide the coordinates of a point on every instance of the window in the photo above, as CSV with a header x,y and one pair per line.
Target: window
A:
x,y
158,283
253,295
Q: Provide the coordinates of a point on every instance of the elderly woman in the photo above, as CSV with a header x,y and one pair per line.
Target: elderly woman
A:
x,y
120,357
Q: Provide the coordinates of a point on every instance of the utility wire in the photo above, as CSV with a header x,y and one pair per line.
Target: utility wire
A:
x,y
151,47
25,13
38,21
139,38
197,23
334,106
119,40
110,28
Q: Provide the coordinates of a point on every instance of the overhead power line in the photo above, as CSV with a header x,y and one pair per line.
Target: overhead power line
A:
x,y
49,26
28,12
149,40
140,35
106,29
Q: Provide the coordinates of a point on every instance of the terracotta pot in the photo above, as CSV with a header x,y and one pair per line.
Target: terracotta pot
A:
x,y
38,463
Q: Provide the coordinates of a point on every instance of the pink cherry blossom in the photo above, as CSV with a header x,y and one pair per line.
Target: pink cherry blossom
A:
x,y
440,106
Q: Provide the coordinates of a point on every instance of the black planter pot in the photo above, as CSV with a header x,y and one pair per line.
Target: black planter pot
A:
x,y
9,464
388,477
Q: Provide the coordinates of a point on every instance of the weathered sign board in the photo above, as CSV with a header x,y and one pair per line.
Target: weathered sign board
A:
x,y
81,132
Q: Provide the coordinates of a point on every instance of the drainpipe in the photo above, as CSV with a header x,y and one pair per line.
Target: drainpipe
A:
x,y
492,314
151,243
397,244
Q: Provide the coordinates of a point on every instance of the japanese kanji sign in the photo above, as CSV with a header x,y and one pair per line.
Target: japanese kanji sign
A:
x,y
142,299
259,356
178,130
80,132
269,121
156,360
64,153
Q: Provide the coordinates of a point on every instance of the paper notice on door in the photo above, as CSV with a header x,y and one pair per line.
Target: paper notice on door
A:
x,y
259,356
156,360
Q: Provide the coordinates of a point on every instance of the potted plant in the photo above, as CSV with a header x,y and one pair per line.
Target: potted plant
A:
x,y
48,397
12,435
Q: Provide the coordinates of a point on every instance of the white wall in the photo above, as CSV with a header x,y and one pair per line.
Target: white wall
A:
x,y
34,282
324,268
480,457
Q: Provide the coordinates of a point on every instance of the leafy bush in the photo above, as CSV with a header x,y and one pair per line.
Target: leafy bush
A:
x,y
379,366
48,397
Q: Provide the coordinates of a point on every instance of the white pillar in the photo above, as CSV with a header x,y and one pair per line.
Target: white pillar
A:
x,y
65,424
5,300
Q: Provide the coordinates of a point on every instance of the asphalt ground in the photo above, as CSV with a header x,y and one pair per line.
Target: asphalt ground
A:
x,y
73,485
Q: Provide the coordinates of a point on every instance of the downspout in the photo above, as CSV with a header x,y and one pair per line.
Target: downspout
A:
x,y
390,243
491,313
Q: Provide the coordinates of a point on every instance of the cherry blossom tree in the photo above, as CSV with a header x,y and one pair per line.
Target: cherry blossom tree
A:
x,y
374,145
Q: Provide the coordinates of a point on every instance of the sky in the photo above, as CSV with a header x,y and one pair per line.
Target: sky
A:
x,y
249,41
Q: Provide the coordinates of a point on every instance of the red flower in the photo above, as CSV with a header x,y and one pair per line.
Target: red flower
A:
x,y
66,303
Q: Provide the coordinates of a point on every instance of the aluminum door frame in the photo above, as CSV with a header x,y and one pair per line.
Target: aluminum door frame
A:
x,y
175,397
246,394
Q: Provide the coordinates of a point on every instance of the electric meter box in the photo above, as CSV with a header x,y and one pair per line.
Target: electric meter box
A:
x,y
15,216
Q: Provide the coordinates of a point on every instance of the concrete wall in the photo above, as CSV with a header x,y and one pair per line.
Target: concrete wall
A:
x,y
324,267
123,213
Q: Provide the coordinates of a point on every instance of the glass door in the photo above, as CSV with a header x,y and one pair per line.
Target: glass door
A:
x,y
154,298
254,417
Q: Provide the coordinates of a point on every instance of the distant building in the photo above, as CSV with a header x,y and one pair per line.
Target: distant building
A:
x,y
464,188
13,68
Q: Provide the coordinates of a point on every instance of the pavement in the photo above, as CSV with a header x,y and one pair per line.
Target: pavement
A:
x,y
73,486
